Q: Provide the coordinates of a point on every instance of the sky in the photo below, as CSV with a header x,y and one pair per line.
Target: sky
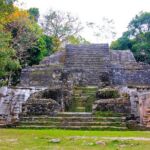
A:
x,y
121,11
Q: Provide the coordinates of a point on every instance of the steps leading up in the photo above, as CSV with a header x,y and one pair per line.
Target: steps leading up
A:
x,y
73,120
91,60
82,99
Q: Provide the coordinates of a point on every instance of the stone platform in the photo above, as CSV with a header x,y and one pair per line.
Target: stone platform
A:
x,y
73,120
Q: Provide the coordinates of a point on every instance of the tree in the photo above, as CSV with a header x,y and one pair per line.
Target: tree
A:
x,y
25,32
8,61
61,25
34,13
103,31
137,38
139,24
122,43
78,40
37,52
5,10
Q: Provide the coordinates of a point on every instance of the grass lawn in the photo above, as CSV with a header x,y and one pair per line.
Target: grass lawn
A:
x,y
24,139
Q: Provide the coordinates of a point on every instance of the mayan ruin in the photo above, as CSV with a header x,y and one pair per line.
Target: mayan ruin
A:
x,y
76,85
74,75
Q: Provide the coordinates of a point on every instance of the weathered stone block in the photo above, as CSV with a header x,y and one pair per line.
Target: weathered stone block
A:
x,y
106,93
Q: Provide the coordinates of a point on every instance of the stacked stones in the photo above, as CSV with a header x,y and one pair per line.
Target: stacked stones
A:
x,y
88,64
126,71
41,75
42,103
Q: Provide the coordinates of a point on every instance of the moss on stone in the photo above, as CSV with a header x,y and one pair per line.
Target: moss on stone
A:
x,y
107,93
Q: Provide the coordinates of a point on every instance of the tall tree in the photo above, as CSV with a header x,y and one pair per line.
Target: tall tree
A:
x,y
139,24
137,38
8,61
25,32
103,31
61,25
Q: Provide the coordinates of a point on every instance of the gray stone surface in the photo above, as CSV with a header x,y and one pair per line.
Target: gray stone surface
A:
x,y
117,105
87,64
92,64
79,65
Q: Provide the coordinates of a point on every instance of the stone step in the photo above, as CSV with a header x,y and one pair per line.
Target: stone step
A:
x,y
86,53
74,114
80,109
78,97
71,119
88,63
46,123
91,67
73,127
84,57
2,125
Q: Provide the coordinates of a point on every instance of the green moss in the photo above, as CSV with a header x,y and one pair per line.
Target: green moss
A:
x,y
107,93
106,114
83,97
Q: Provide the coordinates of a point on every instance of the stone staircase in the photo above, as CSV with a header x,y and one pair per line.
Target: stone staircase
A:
x,y
73,120
91,60
16,106
83,97
79,117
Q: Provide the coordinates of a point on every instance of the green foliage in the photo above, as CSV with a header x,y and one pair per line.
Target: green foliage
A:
x,y
122,43
107,93
140,24
51,44
137,38
44,46
34,13
77,40
37,52
25,33
5,10
8,62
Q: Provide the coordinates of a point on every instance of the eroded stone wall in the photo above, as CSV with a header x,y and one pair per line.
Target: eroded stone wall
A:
x,y
42,75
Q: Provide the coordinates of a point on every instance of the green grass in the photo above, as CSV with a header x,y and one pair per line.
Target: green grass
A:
x,y
21,139
107,114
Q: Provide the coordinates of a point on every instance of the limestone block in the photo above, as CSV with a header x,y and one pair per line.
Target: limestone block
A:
x,y
3,91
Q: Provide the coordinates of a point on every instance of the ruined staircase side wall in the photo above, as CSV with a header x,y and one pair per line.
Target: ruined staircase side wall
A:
x,y
131,74
126,71
47,73
144,108
11,100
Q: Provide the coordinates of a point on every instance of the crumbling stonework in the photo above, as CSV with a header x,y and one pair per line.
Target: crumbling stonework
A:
x,y
11,101
92,64
81,66
112,100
